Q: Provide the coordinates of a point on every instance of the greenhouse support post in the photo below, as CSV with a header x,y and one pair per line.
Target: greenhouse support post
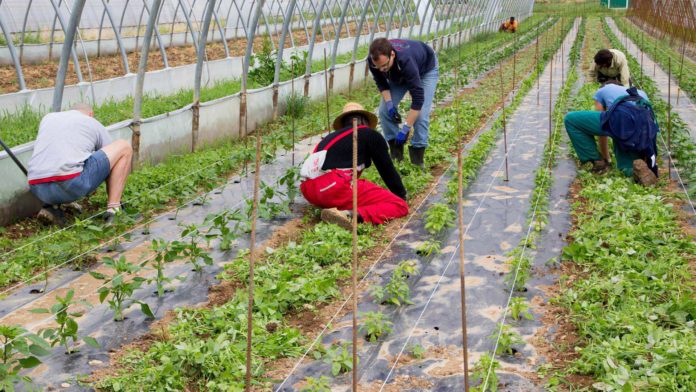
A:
x,y
75,14
140,81
245,68
327,87
117,34
24,30
13,54
202,38
65,26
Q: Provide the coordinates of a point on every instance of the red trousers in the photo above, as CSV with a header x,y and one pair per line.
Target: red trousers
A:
x,y
333,190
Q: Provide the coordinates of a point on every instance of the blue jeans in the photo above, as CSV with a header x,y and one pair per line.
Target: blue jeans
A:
x,y
422,124
95,170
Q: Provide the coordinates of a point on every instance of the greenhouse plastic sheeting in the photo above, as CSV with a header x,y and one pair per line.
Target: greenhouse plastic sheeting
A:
x,y
165,135
219,120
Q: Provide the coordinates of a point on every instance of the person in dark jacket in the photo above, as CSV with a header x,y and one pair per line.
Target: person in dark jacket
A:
x,y
328,186
583,126
399,66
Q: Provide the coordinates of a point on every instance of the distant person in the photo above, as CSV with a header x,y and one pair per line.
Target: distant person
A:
x,y
399,66
611,64
509,26
73,155
327,173
624,115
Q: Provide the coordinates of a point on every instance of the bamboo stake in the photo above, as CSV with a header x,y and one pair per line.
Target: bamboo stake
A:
x,y
642,45
562,54
292,94
550,92
502,103
355,254
681,66
252,257
537,66
326,83
514,64
669,116
462,280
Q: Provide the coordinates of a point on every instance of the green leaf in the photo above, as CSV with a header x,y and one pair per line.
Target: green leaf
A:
x,y
29,362
39,310
145,308
91,341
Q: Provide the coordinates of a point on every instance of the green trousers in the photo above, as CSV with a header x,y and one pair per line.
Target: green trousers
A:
x,y
582,127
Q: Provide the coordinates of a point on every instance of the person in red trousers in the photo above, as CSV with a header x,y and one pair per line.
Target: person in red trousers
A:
x,y
327,173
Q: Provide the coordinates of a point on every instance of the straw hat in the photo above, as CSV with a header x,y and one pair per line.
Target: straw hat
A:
x,y
354,107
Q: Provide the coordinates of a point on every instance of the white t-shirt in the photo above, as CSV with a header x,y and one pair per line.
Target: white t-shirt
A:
x,y
64,142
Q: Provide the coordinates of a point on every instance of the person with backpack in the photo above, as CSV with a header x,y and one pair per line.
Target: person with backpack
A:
x,y
627,117
327,173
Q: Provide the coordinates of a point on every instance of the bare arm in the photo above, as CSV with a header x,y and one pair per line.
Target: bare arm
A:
x,y
386,94
412,116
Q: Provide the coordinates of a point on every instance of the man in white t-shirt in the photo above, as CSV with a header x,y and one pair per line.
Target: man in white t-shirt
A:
x,y
73,155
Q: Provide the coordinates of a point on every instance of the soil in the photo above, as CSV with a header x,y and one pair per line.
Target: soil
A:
x,y
42,75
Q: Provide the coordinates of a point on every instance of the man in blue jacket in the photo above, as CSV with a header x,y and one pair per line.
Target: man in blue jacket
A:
x,y
399,66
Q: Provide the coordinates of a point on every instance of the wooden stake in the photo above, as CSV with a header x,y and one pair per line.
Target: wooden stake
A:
x,y
354,184
681,67
514,64
669,116
642,45
550,92
326,85
292,94
502,103
537,66
252,257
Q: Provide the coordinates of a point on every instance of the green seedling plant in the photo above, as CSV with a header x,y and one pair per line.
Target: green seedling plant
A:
x,y
121,287
219,227
374,325
520,271
519,308
428,248
290,180
438,218
190,249
67,327
164,254
417,351
340,358
20,350
320,384
480,372
508,338
397,291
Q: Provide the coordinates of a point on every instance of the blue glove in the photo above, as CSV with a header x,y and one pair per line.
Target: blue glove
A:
x,y
403,135
393,112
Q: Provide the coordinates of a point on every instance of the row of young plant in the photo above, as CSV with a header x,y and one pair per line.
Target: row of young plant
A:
x,y
299,275
441,216
119,286
21,127
662,52
151,189
683,145
632,295
520,260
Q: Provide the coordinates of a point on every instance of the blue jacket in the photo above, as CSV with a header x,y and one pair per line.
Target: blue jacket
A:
x,y
413,60
633,127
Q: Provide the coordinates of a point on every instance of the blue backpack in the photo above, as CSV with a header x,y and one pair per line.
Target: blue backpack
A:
x,y
633,127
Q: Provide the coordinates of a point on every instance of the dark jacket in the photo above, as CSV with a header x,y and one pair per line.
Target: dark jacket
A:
x,y
371,148
413,60
633,127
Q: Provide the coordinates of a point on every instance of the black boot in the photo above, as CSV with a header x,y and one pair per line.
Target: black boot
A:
x,y
417,154
396,151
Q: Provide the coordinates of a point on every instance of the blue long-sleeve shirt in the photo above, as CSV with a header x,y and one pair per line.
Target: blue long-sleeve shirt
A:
x,y
413,60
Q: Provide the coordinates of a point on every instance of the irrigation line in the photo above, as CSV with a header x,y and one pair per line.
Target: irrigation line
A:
x,y
437,285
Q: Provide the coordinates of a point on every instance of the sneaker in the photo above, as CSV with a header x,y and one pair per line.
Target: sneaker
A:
x,y
110,215
52,216
642,173
599,166
340,218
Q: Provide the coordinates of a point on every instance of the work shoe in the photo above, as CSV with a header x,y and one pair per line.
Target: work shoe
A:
x,y
110,215
340,218
599,166
75,207
417,155
396,151
642,173
52,216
